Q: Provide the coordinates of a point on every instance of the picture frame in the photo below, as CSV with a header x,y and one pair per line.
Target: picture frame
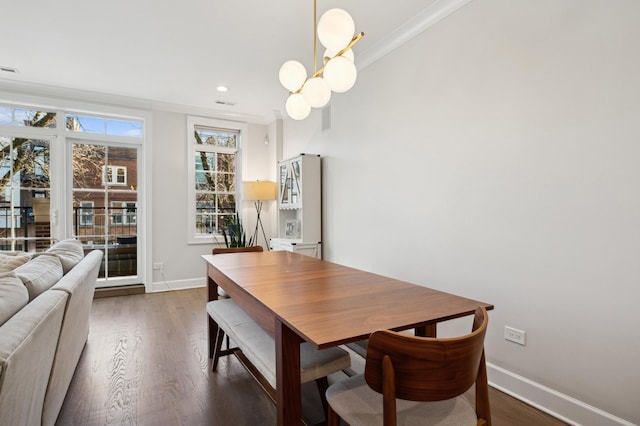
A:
x,y
291,228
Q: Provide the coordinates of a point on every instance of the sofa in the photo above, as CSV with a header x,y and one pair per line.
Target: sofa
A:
x,y
45,304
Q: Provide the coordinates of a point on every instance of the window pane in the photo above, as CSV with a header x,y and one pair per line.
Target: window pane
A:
x,y
34,118
226,162
24,194
88,166
226,182
205,160
32,157
6,116
221,138
104,126
205,181
227,203
205,214
85,124
124,128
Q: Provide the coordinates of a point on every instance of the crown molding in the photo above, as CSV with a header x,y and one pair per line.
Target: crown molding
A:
x,y
428,17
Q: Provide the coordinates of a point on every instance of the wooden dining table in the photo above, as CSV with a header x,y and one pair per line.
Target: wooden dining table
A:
x,y
298,298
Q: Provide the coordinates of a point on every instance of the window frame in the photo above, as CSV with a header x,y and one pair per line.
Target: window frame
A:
x,y
194,122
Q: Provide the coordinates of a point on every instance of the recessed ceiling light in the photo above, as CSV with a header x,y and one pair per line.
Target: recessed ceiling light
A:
x,y
9,69
222,88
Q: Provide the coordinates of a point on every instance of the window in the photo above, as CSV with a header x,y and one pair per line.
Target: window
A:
x,y
86,213
115,175
61,169
123,213
214,148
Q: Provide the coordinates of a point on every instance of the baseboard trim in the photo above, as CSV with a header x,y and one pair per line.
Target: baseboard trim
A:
x,y
125,290
176,285
556,404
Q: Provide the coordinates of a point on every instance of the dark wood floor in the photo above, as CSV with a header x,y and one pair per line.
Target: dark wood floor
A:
x,y
146,363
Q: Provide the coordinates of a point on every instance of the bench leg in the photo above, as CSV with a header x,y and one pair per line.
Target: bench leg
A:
x,y
216,352
323,384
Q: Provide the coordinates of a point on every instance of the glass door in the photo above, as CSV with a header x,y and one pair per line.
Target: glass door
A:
x,y
105,208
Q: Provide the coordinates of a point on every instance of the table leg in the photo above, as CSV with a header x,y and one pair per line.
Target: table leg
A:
x,y
428,330
288,392
212,294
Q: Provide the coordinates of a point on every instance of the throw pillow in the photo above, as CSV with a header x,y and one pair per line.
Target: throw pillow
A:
x,y
70,253
40,274
13,295
11,260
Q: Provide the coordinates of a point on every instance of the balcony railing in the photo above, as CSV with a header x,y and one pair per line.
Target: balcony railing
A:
x,y
21,230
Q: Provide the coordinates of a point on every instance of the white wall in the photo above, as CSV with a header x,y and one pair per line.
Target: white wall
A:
x,y
496,156
183,266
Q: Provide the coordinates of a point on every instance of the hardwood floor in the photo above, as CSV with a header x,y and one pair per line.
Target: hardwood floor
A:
x,y
146,364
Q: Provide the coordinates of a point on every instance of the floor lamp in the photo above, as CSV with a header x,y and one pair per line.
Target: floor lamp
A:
x,y
258,192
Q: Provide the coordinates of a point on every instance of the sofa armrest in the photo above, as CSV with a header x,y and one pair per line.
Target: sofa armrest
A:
x,y
79,284
28,341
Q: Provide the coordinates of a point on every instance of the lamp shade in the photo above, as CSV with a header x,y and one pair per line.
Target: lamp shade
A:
x,y
258,190
316,92
297,107
340,74
335,29
292,75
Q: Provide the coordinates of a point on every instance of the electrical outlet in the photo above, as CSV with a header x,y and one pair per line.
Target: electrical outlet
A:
x,y
158,266
515,335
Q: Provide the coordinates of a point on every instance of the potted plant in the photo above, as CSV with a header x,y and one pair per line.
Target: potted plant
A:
x,y
235,235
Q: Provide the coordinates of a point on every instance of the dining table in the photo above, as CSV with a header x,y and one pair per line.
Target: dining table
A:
x,y
298,298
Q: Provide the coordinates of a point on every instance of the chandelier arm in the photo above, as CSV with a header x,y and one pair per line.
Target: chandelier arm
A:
x,y
317,73
353,41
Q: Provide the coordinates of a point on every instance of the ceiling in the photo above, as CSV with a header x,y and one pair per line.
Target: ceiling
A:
x,y
179,52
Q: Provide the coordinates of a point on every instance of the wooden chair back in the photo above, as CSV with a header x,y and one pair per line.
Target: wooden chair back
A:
x,y
236,249
428,369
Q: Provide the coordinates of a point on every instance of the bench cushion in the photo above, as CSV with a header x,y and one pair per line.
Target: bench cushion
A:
x,y
259,347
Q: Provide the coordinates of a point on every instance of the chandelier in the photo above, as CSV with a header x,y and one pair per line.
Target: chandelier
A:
x,y
335,30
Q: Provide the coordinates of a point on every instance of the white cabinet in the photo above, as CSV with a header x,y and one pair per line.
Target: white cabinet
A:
x,y
299,205
282,244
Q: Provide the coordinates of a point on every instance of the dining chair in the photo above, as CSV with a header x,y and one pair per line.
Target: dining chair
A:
x,y
412,380
236,249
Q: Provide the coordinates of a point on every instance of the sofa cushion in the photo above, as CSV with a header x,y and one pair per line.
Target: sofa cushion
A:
x,y
13,295
70,252
40,273
11,260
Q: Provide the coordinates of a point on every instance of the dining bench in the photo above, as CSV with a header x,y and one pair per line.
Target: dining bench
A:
x,y
255,349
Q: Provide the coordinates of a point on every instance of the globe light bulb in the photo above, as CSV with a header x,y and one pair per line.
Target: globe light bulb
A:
x,y
335,29
340,74
316,92
292,75
330,53
297,107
